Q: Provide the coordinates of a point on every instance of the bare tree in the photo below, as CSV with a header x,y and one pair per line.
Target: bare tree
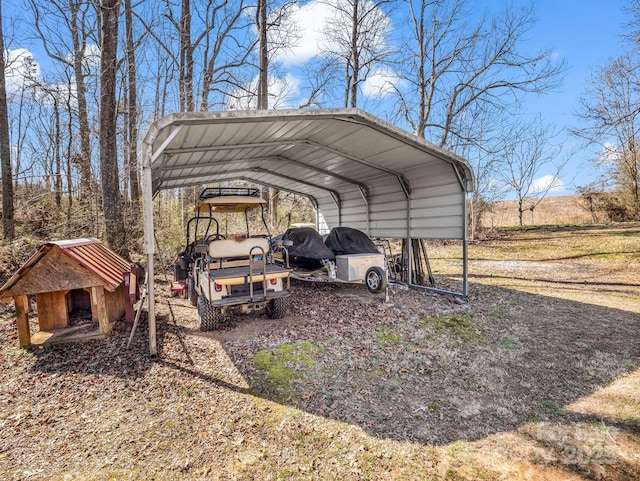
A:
x,y
318,75
454,65
21,69
8,223
357,37
263,90
484,152
219,60
527,154
267,22
176,43
209,49
131,140
111,197
263,48
611,109
633,28
65,31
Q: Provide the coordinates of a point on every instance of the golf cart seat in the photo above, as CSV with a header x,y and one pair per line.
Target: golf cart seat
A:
x,y
238,262
231,249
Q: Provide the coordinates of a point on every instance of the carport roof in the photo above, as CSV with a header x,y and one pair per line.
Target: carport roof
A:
x,y
311,152
357,170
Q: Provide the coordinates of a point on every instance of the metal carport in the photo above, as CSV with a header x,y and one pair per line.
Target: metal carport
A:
x,y
356,169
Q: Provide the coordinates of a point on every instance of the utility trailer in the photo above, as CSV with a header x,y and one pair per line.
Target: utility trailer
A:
x,y
345,256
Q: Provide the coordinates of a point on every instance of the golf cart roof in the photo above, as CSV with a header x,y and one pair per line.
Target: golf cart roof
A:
x,y
229,203
228,199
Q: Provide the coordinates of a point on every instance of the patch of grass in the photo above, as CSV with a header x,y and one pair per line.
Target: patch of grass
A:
x,y
553,409
485,474
454,324
189,391
633,421
511,343
459,447
387,334
285,363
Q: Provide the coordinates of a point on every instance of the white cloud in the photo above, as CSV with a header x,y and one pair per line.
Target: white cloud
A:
x,y
20,67
382,83
282,93
310,21
609,155
547,183
318,24
91,57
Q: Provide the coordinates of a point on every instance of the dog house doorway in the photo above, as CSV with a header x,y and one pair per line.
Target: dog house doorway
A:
x,y
79,307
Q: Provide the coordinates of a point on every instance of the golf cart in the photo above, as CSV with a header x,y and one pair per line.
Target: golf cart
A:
x,y
237,272
201,229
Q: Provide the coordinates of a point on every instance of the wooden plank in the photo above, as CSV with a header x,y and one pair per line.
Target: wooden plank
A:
x,y
55,272
128,302
133,285
70,334
39,338
115,302
103,318
60,309
22,318
46,319
52,310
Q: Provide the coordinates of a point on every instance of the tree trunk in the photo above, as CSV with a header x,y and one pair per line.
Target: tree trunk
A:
x,y
187,103
263,86
132,126
263,93
355,57
520,211
84,166
8,224
57,162
111,198
69,156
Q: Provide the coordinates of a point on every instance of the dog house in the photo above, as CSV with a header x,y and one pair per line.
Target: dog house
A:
x,y
68,279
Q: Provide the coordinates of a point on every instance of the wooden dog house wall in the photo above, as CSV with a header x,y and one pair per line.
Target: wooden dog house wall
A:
x,y
65,276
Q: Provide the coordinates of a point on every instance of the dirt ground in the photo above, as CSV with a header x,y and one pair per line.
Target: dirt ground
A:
x,y
535,376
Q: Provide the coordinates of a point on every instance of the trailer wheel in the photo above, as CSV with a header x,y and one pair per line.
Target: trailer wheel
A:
x,y
192,294
376,280
209,317
278,308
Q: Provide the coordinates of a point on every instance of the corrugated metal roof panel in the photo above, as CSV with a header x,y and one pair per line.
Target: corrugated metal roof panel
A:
x,y
345,153
100,260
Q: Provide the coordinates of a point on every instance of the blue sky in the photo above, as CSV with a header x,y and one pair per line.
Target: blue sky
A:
x,y
584,32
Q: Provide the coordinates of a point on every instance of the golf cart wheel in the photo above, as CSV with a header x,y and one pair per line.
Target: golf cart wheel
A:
x,y
278,308
376,280
191,291
209,317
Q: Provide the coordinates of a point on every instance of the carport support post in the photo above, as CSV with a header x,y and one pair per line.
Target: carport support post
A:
x,y
149,249
408,244
465,252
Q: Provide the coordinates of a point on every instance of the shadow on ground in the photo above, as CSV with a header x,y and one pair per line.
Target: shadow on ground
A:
x,y
510,358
